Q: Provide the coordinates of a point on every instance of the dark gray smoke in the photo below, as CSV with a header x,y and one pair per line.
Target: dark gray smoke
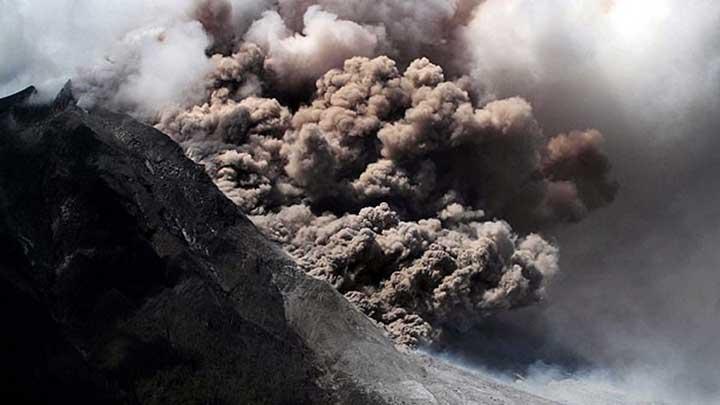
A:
x,y
426,157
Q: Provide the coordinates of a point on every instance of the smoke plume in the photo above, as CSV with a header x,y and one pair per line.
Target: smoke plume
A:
x,y
386,183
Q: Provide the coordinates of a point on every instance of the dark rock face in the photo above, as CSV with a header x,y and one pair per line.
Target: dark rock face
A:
x,y
127,277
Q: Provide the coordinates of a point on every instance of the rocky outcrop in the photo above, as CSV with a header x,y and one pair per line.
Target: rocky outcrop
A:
x,y
127,277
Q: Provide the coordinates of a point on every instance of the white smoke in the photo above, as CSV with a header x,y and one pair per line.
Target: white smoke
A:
x,y
325,43
653,55
131,54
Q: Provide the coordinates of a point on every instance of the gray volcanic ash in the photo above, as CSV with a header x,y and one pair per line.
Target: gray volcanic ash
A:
x,y
386,184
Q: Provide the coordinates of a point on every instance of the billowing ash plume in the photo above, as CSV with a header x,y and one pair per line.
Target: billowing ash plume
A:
x,y
417,277
385,185
383,175
304,39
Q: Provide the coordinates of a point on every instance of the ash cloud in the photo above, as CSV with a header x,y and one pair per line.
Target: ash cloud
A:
x,y
386,184
417,278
